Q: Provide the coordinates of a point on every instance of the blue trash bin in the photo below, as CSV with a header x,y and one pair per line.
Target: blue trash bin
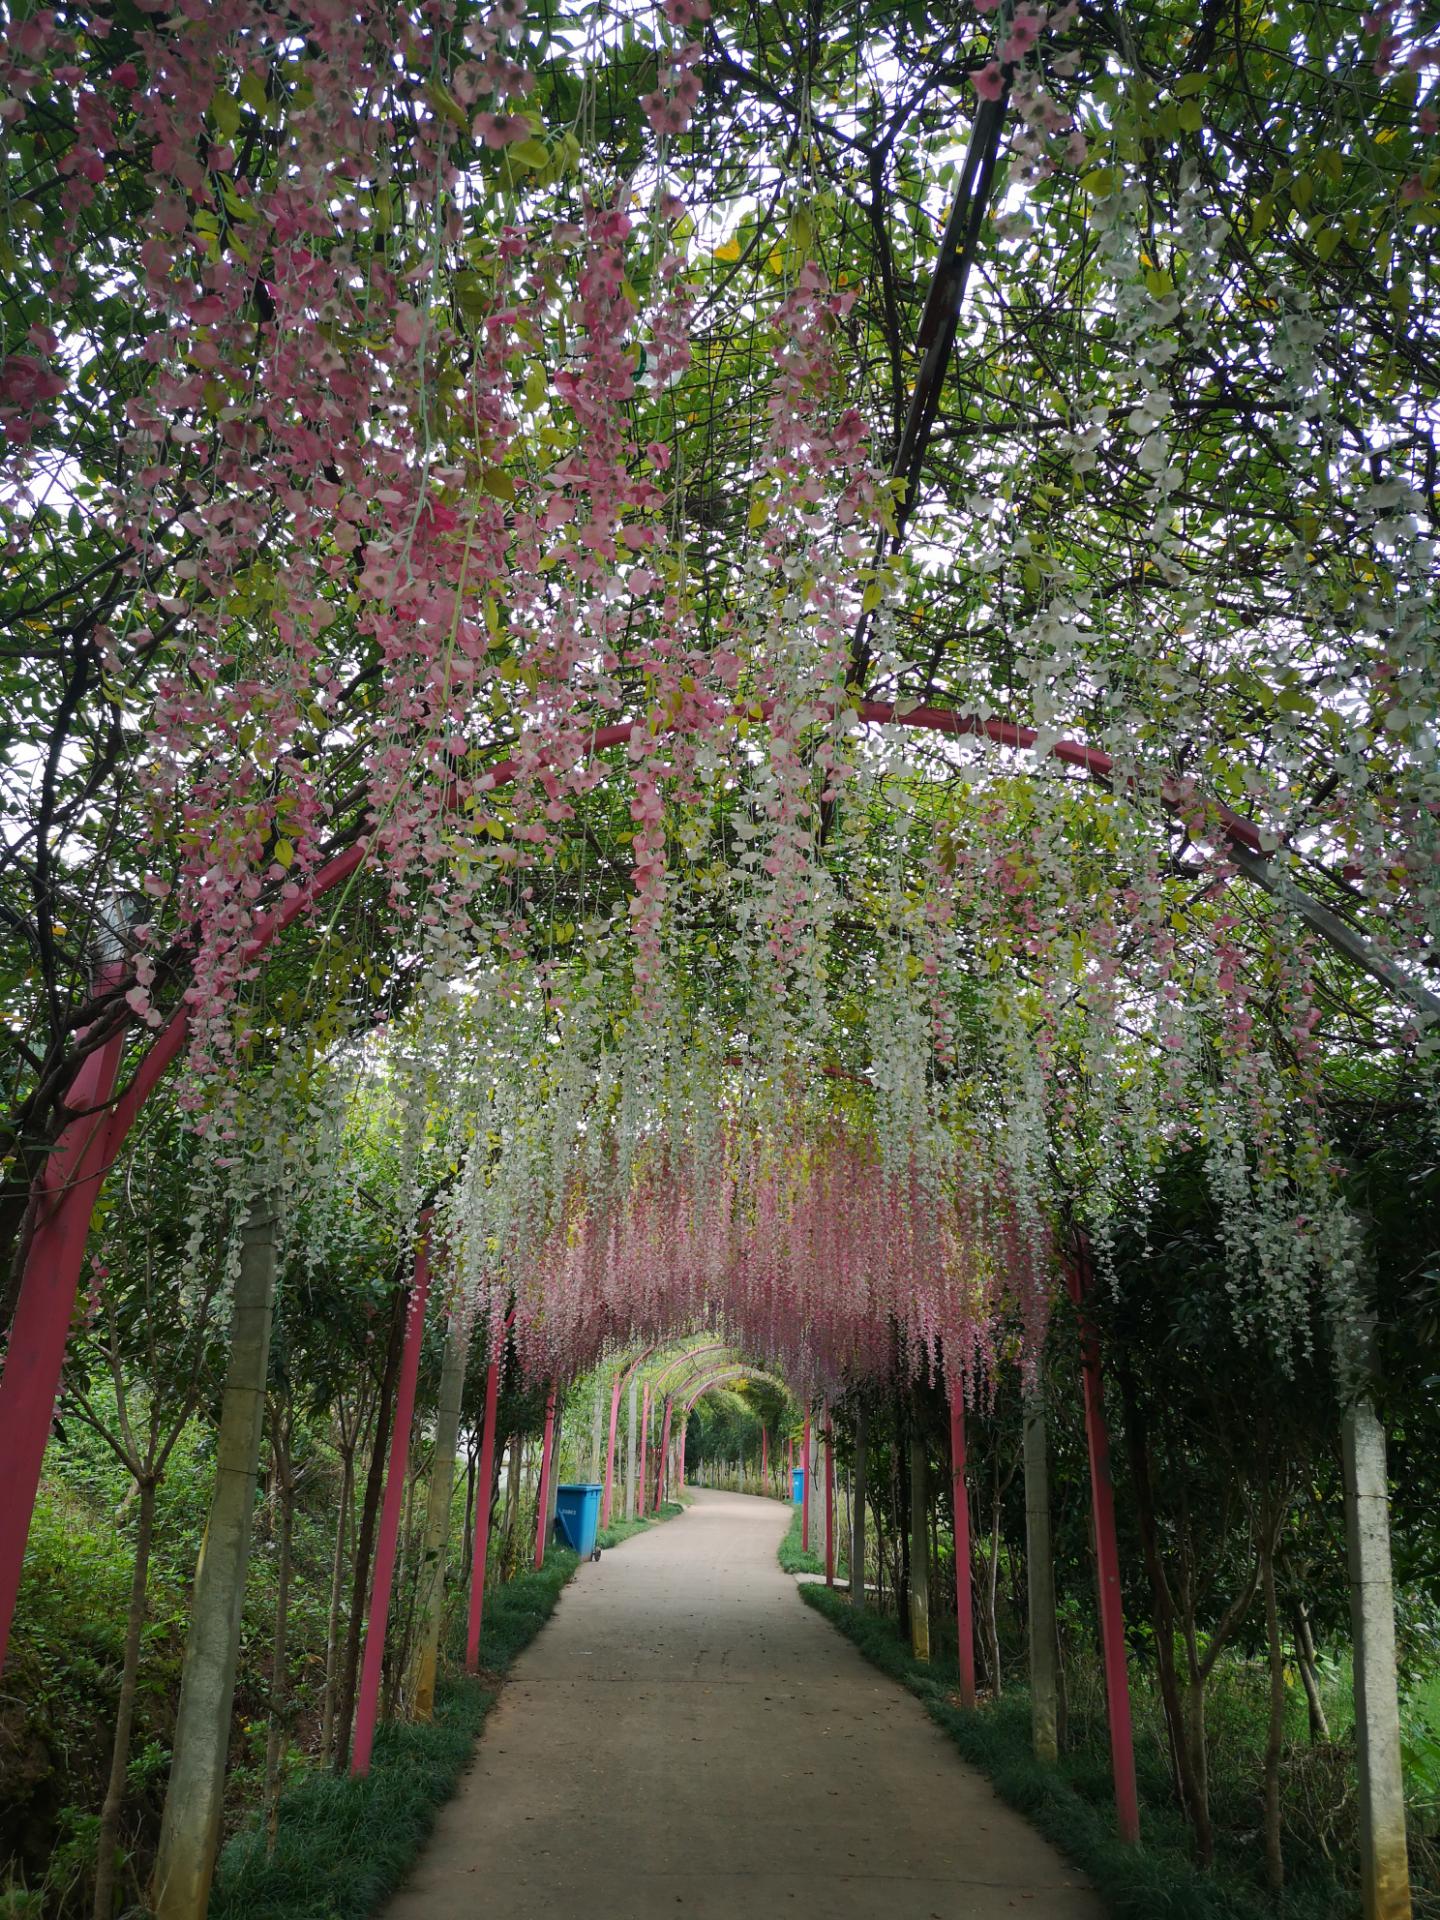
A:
x,y
797,1485
577,1515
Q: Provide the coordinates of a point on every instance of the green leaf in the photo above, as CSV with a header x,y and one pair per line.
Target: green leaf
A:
x,y
225,112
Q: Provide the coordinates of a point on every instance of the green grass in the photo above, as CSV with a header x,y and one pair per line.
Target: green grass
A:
x,y
345,1845
794,1558
1070,1803
622,1530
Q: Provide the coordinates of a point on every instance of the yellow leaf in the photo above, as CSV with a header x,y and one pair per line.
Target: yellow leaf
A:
x,y
759,513
728,249
498,484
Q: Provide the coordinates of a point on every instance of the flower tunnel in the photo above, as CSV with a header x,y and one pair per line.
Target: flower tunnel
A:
x,y
674,729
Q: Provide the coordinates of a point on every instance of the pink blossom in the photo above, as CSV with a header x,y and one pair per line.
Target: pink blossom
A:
x,y
126,75
28,382
658,454
500,129
989,82
683,13
1024,32
409,326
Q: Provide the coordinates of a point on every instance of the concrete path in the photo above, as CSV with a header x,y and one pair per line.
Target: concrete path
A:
x,y
686,1737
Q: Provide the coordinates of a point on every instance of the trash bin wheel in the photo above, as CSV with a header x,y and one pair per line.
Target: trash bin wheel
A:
x,y
596,1554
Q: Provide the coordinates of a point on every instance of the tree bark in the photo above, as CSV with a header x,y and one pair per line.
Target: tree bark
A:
x,y
277,1737
1040,1580
107,1839
337,1585
1275,1722
1384,1861
1189,1788
437,1517
190,1825
369,1516
919,1547
631,1435
857,1515
1309,1674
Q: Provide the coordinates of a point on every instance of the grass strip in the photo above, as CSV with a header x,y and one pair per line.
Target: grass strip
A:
x,y
1070,1803
345,1845
621,1530
795,1559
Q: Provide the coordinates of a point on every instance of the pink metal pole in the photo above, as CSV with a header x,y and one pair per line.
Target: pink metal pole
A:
x,y
368,1705
644,1467
964,1595
547,1461
805,1489
482,1519
829,1503
64,1200
1107,1558
605,1504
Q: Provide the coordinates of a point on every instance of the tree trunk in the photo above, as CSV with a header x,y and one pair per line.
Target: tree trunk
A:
x,y
919,1547
467,1542
631,1436
1309,1674
437,1518
337,1584
369,1516
1040,1580
190,1826
1275,1726
108,1836
277,1739
1384,1861
857,1515
1189,1787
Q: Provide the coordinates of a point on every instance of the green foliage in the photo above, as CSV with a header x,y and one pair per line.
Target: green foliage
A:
x,y
1069,1803
345,1844
61,1685
795,1559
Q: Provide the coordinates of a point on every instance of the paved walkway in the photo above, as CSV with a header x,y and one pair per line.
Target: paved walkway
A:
x,y
686,1737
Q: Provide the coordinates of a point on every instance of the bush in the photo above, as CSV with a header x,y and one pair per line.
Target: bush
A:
x,y
1070,1803
345,1845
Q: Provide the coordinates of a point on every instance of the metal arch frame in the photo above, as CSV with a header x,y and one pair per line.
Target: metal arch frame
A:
x,y
730,1371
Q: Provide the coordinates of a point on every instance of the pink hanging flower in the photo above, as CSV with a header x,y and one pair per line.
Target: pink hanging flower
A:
x,y
683,13
500,129
989,82
1024,32
665,116
658,454
409,326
